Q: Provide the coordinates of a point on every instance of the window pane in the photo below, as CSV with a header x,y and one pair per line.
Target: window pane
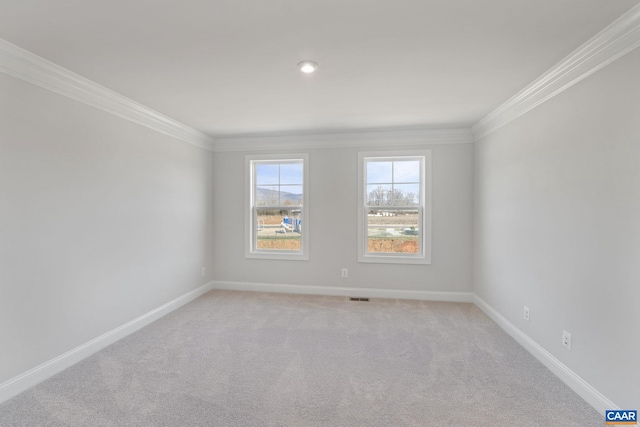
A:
x,y
393,231
277,192
378,172
267,196
378,195
266,174
291,195
406,171
406,194
278,230
291,173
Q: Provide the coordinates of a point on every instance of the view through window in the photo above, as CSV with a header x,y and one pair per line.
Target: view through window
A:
x,y
393,200
277,206
393,206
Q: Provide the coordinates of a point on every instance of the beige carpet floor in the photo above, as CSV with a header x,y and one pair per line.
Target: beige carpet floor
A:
x,y
258,359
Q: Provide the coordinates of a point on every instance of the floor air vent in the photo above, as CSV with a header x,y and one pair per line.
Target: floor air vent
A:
x,y
359,299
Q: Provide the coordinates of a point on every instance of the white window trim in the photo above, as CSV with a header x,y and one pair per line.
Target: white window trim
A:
x,y
426,201
250,228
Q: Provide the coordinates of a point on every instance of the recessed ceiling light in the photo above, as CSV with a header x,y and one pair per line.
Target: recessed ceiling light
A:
x,y
307,67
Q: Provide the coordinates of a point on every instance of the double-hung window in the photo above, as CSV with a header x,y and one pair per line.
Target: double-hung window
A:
x,y
394,207
277,206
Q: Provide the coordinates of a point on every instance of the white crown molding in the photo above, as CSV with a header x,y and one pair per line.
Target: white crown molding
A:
x,y
31,68
34,376
345,291
619,38
373,138
592,396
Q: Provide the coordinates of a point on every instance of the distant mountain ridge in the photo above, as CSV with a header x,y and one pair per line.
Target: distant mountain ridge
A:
x,y
265,196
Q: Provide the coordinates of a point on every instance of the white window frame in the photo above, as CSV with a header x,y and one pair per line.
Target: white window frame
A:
x,y
425,200
250,222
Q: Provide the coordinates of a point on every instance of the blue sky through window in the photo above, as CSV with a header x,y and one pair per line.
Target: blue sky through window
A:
x,y
388,180
279,183
270,174
386,172
267,174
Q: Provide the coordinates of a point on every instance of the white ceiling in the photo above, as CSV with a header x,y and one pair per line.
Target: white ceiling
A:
x,y
228,67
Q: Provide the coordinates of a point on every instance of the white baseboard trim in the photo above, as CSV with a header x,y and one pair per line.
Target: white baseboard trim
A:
x,y
48,369
570,378
22,382
347,292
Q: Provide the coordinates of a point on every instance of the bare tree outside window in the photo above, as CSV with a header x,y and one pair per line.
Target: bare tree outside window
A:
x,y
393,197
392,203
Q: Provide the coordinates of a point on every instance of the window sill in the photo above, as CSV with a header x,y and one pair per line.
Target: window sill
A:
x,y
393,259
277,256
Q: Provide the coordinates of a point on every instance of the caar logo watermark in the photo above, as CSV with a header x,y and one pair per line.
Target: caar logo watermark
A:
x,y
621,417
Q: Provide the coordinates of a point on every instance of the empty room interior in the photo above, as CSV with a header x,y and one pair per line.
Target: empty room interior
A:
x,y
311,213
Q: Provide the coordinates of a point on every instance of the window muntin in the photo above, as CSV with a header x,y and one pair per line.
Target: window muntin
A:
x,y
277,207
394,217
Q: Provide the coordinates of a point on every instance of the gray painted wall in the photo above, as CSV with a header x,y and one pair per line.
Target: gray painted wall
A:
x,y
101,221
557,226
334,224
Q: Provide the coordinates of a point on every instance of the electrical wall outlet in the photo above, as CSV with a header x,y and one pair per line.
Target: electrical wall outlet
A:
x,y
345,272
566,340
525,314
204,270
